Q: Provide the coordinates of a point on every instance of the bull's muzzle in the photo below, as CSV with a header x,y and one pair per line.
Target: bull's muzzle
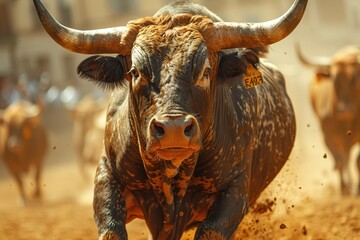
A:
x,y
174,137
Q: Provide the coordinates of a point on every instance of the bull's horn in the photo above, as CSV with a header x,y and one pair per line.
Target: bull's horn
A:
x,y
89,42
249,35
318,62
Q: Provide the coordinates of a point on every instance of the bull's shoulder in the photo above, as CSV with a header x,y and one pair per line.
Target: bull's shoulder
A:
x,y
117,119
271,72
120,138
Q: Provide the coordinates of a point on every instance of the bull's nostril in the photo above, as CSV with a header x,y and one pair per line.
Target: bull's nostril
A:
x,y
188,130
159,130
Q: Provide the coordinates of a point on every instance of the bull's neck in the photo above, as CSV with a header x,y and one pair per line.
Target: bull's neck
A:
x,y
169,191
220,118
134,118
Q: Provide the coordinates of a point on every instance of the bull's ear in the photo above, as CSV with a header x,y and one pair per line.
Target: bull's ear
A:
x,y
108,72
235,64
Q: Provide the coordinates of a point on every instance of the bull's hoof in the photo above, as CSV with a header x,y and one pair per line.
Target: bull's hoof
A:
x,y
208,233
110,236
211,235
37,194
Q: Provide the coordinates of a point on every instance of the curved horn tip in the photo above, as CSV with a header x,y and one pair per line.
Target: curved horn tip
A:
x,y
88,42
39,6
317,61
238,35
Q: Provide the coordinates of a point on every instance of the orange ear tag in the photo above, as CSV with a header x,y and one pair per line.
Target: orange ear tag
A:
x,y
253,77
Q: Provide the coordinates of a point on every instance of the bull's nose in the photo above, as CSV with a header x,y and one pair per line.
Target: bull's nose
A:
x,y
174,132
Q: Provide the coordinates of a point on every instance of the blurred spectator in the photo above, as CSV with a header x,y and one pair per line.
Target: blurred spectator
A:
x,y
8,93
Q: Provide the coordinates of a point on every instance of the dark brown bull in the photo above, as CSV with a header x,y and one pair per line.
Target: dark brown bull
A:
x,y
335,97
23,143
185,142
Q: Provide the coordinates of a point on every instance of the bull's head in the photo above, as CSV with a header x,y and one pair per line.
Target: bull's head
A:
x,y
171,63
343,70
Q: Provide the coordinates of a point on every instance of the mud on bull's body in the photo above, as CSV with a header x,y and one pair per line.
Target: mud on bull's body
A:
x,y
185,142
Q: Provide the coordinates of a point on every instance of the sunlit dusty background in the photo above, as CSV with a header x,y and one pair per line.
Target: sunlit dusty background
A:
x,y
308,184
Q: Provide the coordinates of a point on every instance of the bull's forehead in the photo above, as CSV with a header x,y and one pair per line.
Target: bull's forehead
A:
x,y
346,65
164,53
164,41
167,34
348,55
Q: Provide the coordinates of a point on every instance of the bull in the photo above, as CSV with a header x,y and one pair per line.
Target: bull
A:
x,y
186,143
335,99
23,143
88,131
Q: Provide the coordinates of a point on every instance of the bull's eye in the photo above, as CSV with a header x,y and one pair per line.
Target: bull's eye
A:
x,y
134,72
207,73
204,80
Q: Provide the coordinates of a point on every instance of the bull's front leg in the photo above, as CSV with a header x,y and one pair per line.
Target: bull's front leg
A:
x,y
226,213
109,205
37,178
19,182
358,168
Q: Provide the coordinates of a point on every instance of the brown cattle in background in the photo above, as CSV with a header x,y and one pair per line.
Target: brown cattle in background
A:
x,y
23,143
335,98
88,116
